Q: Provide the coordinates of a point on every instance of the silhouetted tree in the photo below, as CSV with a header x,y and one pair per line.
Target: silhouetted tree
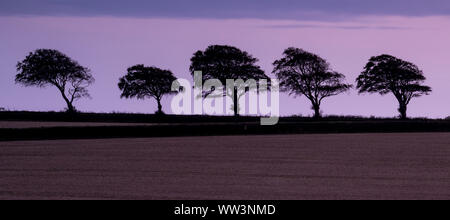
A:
x,y
147,82
304,73
46,67
227,62
387,74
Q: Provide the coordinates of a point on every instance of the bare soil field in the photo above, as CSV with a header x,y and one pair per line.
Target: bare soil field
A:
x,y
335,166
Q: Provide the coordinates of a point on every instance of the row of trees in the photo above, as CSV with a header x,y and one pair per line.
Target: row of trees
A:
x,y
300,73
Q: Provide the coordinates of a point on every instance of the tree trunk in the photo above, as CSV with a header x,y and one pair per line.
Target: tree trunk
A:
x,y
159,112
403,111
70,107
236,102
317,114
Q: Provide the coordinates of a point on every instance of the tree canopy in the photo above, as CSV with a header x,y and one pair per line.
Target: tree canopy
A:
x,y
304,73
46,67
227,62
387,74
143,82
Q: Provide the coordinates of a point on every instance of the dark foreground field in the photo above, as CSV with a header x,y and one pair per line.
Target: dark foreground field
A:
x,y
333,166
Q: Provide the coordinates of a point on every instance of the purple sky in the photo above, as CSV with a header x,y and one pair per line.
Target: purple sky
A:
x,y
108,40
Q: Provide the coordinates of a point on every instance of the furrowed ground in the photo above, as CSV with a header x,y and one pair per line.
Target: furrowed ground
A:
x,y
317,166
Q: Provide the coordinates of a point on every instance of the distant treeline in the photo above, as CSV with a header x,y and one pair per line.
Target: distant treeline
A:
x,y
178,126
299,72
169,119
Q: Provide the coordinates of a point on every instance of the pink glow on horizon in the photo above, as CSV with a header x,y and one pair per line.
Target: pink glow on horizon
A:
x,y
109,45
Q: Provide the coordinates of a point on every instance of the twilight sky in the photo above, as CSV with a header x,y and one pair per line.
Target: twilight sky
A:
x,y
109,36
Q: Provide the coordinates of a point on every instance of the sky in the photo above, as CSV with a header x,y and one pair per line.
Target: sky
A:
x,y
110,36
